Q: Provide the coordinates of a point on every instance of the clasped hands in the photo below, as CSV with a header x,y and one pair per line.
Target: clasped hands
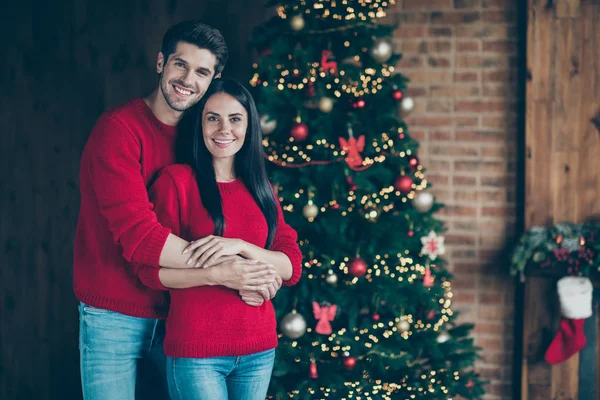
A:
x,y
255,281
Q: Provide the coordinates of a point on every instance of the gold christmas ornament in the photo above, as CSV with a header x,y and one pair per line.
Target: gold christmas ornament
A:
x,y
443,337
297,23
310,210
326,104
403,325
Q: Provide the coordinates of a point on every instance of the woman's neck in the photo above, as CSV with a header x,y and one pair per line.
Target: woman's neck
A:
x,y
224,171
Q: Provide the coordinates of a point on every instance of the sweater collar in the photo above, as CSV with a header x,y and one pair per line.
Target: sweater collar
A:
x,y
167,130
231,187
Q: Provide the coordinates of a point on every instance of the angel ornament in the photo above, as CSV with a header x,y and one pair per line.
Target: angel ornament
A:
x,y
353,147
324,314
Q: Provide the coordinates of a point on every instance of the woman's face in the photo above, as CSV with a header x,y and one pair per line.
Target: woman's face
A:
x,y
224,125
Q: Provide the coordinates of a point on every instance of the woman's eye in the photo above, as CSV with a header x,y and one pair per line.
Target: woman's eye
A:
x,y
236,119
212,118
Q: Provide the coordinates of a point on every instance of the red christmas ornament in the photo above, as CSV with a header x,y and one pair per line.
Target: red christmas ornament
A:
x,y
413,162
431,314
403,183
376,317
427,278
360,103
349,362
310,89
312,371
357,267
335,206
299,131
265,52
470,384
411,233
397,95
351,185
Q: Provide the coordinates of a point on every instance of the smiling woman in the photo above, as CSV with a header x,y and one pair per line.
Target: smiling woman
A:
x,y
224,125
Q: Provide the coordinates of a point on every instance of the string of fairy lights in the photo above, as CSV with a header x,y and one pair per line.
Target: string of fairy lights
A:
x,y
342,10
370,80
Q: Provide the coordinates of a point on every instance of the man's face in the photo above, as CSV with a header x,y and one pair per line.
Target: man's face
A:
x,y
186,75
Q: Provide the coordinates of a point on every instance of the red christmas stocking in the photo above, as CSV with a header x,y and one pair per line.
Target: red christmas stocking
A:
x,y
568,341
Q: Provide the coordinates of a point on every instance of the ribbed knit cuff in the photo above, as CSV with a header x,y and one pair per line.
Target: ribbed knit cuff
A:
x,y
149,277
148,252
295,256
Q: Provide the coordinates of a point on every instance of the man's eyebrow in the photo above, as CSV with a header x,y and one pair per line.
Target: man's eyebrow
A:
x,y
201,69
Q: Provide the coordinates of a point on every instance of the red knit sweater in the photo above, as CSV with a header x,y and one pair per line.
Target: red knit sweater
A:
x,y
117,225
211,321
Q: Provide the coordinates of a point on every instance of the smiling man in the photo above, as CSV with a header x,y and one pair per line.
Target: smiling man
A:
x,y
121,320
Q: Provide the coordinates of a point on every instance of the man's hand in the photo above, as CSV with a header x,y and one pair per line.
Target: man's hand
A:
x,y
266,292
239,273
207,251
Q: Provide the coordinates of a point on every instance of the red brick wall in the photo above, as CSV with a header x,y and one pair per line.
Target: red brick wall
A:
x,y
461,57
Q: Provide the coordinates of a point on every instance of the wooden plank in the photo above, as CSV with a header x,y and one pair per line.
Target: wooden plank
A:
x,y
589,188
564,186
566,135
565,379
536,336
567,8
541,25
538,180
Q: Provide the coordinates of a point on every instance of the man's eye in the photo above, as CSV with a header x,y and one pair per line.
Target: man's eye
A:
x,y
178,64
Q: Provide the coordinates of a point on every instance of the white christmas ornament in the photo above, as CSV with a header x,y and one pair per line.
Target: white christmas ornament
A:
x,y
433,245
267,125
443,337
423,201
331,278
381,50
407,104
293,325
575,295
297,22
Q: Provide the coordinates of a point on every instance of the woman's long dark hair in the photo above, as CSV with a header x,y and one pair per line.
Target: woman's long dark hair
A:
x,y
249,164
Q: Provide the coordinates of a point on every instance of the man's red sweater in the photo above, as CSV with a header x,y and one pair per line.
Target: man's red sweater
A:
x,y
117,225
212,321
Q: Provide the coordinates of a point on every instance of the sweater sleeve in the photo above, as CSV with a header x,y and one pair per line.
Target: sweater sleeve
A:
x,y
164,195
112,164
286,241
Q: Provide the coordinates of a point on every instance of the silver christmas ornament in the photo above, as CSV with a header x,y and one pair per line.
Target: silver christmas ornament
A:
x,y
407,104
267,125
310,210
381,50
443,337
331,278
297,22
293,325
403,325
326,104
423,201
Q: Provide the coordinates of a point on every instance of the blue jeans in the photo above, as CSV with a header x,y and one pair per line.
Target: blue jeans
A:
x,y
220,378
116,352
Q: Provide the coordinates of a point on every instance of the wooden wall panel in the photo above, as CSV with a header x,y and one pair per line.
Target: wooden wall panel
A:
x,y
562,163
63,63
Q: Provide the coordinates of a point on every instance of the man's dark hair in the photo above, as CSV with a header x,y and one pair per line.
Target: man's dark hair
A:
x,y
200,35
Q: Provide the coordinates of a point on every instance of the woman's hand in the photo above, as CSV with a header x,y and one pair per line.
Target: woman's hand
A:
x,y
206,251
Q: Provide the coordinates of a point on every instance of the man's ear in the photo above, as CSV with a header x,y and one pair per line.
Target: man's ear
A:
x,y
217,76
160,62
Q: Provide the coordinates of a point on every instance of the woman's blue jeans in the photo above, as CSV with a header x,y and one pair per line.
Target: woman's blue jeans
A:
x,y
220,378
116,352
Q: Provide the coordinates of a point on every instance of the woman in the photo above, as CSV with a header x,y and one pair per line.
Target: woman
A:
x,y
217,346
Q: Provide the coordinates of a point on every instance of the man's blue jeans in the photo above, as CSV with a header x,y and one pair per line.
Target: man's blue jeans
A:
x,y
220,378
116,350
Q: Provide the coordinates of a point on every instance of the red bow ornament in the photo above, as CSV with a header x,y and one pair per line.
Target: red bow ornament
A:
x,y
325,314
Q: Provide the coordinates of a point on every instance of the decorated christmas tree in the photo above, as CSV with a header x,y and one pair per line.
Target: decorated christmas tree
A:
x,y
371,317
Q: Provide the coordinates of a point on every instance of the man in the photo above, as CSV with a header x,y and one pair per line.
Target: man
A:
x,y
120,319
